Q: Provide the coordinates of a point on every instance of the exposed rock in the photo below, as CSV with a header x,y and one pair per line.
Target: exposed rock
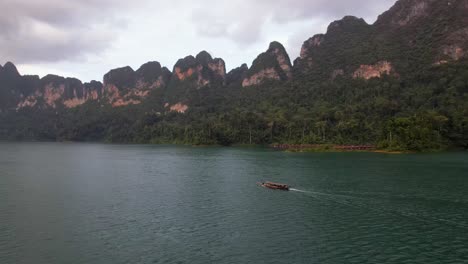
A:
x,y
74,102
261,76
201,70
152,75
124,86
186,67
441,62
314,41
323,53
179,108
120,78
53,93
373,71
53,90
218,67
274,64
405,12
456,45
93,90
427,31
29,101
118,98
455,52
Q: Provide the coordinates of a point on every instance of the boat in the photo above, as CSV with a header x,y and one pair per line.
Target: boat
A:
x,y
275,186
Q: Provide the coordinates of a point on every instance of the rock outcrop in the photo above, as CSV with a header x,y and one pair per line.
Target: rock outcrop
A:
x,y
410,35
124,86
53,90
273,65
200,71
427,31
151,75
405,12
373,71
178,107
322,54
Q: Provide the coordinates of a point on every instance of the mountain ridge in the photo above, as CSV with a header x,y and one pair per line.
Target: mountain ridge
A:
x,y
400,83
325,55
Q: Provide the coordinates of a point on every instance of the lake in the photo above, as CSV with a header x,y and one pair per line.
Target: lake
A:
x,y
97,203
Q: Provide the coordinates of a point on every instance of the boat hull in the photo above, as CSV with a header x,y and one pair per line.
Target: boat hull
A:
x,y
275,186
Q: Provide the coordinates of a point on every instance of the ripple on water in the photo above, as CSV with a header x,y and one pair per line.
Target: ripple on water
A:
x,y
164,204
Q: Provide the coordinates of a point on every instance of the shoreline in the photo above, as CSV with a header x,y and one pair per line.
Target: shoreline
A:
x,y
318,148
333,148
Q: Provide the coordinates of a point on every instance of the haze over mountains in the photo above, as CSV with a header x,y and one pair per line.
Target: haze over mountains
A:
x,y
412,35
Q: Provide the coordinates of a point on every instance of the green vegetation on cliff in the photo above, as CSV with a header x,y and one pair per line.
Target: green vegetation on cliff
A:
x,y
400,84
425,112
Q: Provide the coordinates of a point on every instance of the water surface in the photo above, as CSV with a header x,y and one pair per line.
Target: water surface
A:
x,y
92,203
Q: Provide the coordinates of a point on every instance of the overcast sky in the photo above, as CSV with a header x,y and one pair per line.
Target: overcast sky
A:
x,y
86,38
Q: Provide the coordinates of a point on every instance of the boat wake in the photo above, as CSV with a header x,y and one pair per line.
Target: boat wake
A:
x,y
297,190
364,204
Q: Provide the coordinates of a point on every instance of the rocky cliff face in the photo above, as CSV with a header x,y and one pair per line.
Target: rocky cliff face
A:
x,y
121,87
405,12
124,86
412,34
53,90
274,64
338,52
50,91
373,71
440,26
200,71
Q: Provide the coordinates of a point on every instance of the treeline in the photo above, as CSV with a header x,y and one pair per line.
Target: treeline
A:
x,y
427,111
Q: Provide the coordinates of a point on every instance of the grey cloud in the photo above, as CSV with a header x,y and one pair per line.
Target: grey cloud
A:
x,y
289,10
55,30
248,17
235,20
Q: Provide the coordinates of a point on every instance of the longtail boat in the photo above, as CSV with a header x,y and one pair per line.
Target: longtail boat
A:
x,y
275,186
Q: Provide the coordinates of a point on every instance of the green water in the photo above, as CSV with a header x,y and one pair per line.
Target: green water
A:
x,y
90,203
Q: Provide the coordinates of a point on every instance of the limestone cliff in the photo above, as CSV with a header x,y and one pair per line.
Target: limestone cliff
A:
x,y
53,90
200,71
337,52
411,34
273,65
124,86
373,71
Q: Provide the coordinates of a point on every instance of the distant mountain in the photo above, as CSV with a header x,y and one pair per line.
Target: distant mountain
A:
x,y
412,34
274,64
402,51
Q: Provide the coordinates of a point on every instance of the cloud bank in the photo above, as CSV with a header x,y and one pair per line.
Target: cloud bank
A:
x,y
244,21
54,30
88,37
